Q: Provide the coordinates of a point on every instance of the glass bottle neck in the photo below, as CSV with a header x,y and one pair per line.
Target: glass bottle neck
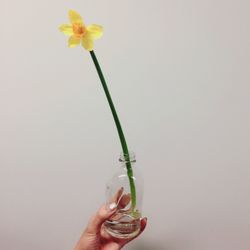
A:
x,y
130,157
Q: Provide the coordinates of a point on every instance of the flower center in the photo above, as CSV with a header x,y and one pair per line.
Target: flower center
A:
x,y
79,30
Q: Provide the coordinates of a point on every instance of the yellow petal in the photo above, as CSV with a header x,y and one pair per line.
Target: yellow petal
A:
x,y
87,42
73,41
66,29
75,17
95,30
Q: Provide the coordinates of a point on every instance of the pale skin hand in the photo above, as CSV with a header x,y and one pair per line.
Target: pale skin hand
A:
x,y
95,238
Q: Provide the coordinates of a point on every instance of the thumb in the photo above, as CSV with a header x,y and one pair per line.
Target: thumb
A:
x,y
105,212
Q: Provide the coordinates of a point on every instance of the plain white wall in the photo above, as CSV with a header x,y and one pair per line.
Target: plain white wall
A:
x,y
179,75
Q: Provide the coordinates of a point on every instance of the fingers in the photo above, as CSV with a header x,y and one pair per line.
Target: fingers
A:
x,y
124,201
104,234
143,225
105,212
117,196
118,201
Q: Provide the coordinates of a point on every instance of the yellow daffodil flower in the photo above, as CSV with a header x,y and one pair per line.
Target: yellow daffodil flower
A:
x,y
79,33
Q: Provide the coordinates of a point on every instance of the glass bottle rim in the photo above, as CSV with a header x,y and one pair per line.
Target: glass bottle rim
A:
x,y
130,157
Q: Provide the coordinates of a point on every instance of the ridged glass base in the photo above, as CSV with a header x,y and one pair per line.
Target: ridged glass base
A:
x,y
122,225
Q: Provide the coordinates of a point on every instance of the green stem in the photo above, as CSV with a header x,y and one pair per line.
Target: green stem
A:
x,y
119,129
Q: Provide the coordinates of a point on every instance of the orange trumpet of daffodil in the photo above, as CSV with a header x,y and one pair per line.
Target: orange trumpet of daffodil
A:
x,y
79,33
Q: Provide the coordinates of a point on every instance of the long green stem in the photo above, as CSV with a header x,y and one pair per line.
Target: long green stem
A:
x,y
119,129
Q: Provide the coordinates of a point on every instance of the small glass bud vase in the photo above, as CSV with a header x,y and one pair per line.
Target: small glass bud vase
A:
x,y
126,189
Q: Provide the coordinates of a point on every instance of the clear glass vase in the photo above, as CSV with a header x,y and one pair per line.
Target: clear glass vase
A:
x,y
125,223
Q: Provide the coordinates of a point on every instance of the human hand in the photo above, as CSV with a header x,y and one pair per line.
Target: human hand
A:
x,y
95,237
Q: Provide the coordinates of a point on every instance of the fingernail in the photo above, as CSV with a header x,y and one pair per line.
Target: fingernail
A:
x,y
112,206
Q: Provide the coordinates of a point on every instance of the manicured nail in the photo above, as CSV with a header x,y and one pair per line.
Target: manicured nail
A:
x,y
112,206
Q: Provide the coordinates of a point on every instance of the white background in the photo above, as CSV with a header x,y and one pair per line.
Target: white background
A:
x,y
179,75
